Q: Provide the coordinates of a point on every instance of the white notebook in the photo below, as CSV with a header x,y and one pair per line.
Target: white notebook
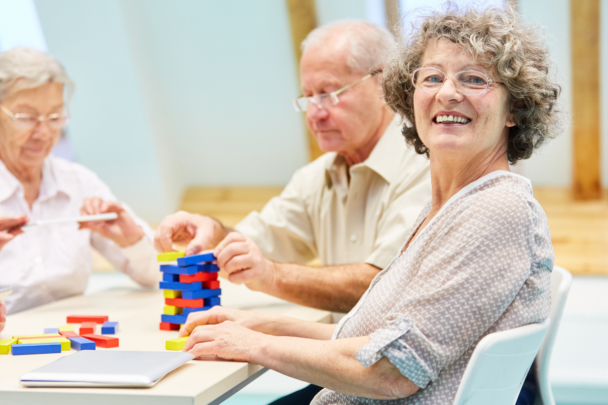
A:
x,y
105,368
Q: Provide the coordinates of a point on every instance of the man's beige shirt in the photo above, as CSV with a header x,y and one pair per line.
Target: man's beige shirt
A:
x,y
320,215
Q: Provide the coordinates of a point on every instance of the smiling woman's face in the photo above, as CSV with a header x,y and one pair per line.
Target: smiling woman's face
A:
x,y
25,150
485,132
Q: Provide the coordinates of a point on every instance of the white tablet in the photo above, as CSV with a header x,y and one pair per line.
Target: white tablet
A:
x,y
106,368
5,292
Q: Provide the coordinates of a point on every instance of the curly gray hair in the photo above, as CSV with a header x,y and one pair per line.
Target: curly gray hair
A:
x,y
496,38
25,68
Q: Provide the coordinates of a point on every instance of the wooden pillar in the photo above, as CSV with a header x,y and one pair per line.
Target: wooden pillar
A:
x,y
393,17
303,19
585,43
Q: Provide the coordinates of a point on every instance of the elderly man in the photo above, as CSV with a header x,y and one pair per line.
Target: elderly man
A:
x,y
351,208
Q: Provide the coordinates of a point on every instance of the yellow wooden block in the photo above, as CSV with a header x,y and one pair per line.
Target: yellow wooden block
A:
x,y
65,343
66,328
171,310
169,256
5,345
172,294
40,336
176,344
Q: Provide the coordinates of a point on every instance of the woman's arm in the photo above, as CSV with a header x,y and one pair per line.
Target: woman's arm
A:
x,y
328,363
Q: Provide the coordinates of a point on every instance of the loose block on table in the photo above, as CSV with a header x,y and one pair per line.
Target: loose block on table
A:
x,y
188,311
68,334
103,341
66,328
5,345
195,259
87,318
172,294
46,336
87,328
172,269
51,330
80,343
179,319
181,286
169,256
185,278
211,285
172,310
65,344
192,295
213,301
168,277
109,328
180,302
35,348
169,326
176,344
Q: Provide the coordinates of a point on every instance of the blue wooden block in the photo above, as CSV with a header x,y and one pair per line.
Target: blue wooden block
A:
x,y
80,343
51,330
207,293
187,311
35,348
179,319
213,301
195,259
212,268
168,277
109,328
188,270
181,286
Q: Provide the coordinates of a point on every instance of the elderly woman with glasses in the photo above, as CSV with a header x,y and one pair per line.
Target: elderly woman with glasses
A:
x,y
46,263
475,88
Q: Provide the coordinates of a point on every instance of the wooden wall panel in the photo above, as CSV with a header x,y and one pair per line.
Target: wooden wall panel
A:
x,y
303,19
585,43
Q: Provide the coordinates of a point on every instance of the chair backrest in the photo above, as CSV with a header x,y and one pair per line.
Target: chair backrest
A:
x,y
499,365
561,281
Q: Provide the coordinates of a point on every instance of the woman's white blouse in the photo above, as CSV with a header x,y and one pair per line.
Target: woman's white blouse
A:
x,y
481,265
51,262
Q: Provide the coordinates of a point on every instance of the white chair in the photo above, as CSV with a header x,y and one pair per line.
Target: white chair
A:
x,y
499,365
561,281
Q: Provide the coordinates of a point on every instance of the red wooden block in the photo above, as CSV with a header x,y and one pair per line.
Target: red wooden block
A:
x,y
87,318
87,327
69,334
184,303
185,278
169,326
103,341
211,285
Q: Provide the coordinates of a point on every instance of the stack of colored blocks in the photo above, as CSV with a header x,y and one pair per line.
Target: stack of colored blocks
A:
x,y
191,285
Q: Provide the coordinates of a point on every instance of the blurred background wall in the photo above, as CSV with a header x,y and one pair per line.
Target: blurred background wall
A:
x,y
198,92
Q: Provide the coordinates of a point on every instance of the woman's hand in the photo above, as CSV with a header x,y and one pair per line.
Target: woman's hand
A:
x,y
241,259
122,230
2,315
217,315
227,340
11,227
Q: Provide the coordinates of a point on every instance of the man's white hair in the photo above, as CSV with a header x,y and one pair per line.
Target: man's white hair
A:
x,y
367,42
25,68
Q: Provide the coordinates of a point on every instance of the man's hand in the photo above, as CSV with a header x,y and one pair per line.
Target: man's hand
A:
x,y
122,230
11,227
195,232
242,260
2,315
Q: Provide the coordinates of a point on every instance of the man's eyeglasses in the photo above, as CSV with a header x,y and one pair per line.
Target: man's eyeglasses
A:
x,y
325,100
467,82
24,122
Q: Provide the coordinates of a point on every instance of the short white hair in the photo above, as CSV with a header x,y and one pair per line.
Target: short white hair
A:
x,y
367,42
25,68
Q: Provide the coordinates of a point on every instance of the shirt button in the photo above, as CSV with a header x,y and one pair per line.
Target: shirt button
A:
x,y
353,238
402,326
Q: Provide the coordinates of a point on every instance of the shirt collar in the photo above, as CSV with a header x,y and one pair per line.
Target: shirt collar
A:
x,y
49,186
8,183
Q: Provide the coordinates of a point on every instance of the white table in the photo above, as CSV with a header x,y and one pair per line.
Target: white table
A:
x,y
138,313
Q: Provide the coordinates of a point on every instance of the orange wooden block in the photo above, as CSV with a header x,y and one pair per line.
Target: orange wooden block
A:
x,y
183,303
211,285
103,341
169,326
185,278
69,334
87,318
87,327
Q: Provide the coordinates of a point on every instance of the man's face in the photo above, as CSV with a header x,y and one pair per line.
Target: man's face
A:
x,y
349,125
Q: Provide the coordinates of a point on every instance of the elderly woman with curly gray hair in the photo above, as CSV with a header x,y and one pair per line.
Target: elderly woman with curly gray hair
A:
x,y
475,88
